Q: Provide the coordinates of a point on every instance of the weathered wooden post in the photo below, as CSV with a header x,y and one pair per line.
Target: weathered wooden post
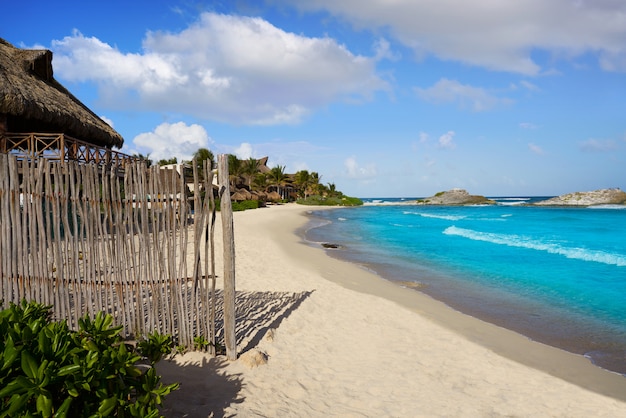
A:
x,y
229,257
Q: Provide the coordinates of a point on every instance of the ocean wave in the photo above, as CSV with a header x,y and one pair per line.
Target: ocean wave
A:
x,y
396,202
511,198
511,201
455,217
430,215
612,207
530,243
515,203
403,225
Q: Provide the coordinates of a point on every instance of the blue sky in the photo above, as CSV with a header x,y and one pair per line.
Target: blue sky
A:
x,y
382,98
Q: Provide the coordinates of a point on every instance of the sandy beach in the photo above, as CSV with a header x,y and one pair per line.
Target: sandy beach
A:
x,y
340,341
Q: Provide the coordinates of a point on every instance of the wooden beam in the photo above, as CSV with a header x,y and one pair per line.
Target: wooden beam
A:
x,y
229,257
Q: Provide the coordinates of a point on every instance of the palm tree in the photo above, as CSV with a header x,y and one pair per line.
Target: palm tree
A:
x,y
235,169
277,177
315,183
203,154
260,182
303,180
250,169
332,189
165,161
144,158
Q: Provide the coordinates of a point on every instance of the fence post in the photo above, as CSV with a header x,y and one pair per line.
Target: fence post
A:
x,y
226,211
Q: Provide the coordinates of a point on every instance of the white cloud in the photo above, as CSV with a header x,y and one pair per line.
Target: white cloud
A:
x,y
535,149
354,170
447,140
244,151
465,96
529,86
172,140
383,50
78,58
598,145
299,166
527,125
497,35
225,68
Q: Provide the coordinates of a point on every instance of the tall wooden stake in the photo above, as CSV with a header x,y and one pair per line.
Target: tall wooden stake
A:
x,y
226,210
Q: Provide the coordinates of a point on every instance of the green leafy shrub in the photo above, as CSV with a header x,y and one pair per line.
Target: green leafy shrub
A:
x,y
155,346
48,370
317,200
245,205
180,349
239,206
200,342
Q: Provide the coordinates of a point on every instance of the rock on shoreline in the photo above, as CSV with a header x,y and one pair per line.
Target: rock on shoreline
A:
x,y
596,197
455,197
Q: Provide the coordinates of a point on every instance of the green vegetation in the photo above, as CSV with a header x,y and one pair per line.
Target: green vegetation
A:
x,y
144,158
317,200
48,370
240,206
254,183
246,204
155,346
169,161
200,343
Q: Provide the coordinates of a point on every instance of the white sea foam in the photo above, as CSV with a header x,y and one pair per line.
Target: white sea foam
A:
x,y
394,202
403,225
534,244
612,207
429,215
512,201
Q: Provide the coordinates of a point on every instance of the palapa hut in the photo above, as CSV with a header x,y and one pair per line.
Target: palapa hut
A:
x,y
32,101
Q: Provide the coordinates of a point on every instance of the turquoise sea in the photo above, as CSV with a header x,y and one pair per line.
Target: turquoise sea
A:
x,y
554,274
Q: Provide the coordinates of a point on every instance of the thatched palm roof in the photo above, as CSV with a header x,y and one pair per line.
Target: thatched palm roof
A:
x,y
263,168
33,101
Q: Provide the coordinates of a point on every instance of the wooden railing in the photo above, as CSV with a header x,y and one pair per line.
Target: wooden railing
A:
x,y
60,147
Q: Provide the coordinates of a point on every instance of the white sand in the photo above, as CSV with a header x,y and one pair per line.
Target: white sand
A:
x,y
358,346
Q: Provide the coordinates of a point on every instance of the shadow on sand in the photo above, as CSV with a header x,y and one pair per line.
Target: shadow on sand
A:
x,y
206,388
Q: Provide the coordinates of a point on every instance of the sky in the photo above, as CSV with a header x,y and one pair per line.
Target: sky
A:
x,y
382,98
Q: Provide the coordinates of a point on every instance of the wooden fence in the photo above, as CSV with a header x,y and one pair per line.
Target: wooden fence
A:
x,y
86,239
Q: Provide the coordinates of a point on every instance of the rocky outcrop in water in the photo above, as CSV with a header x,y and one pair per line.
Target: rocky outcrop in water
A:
x,y
593,198
455,197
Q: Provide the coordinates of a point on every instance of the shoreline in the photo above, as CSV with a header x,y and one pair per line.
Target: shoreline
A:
x,y
354,344
572,367
549,326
